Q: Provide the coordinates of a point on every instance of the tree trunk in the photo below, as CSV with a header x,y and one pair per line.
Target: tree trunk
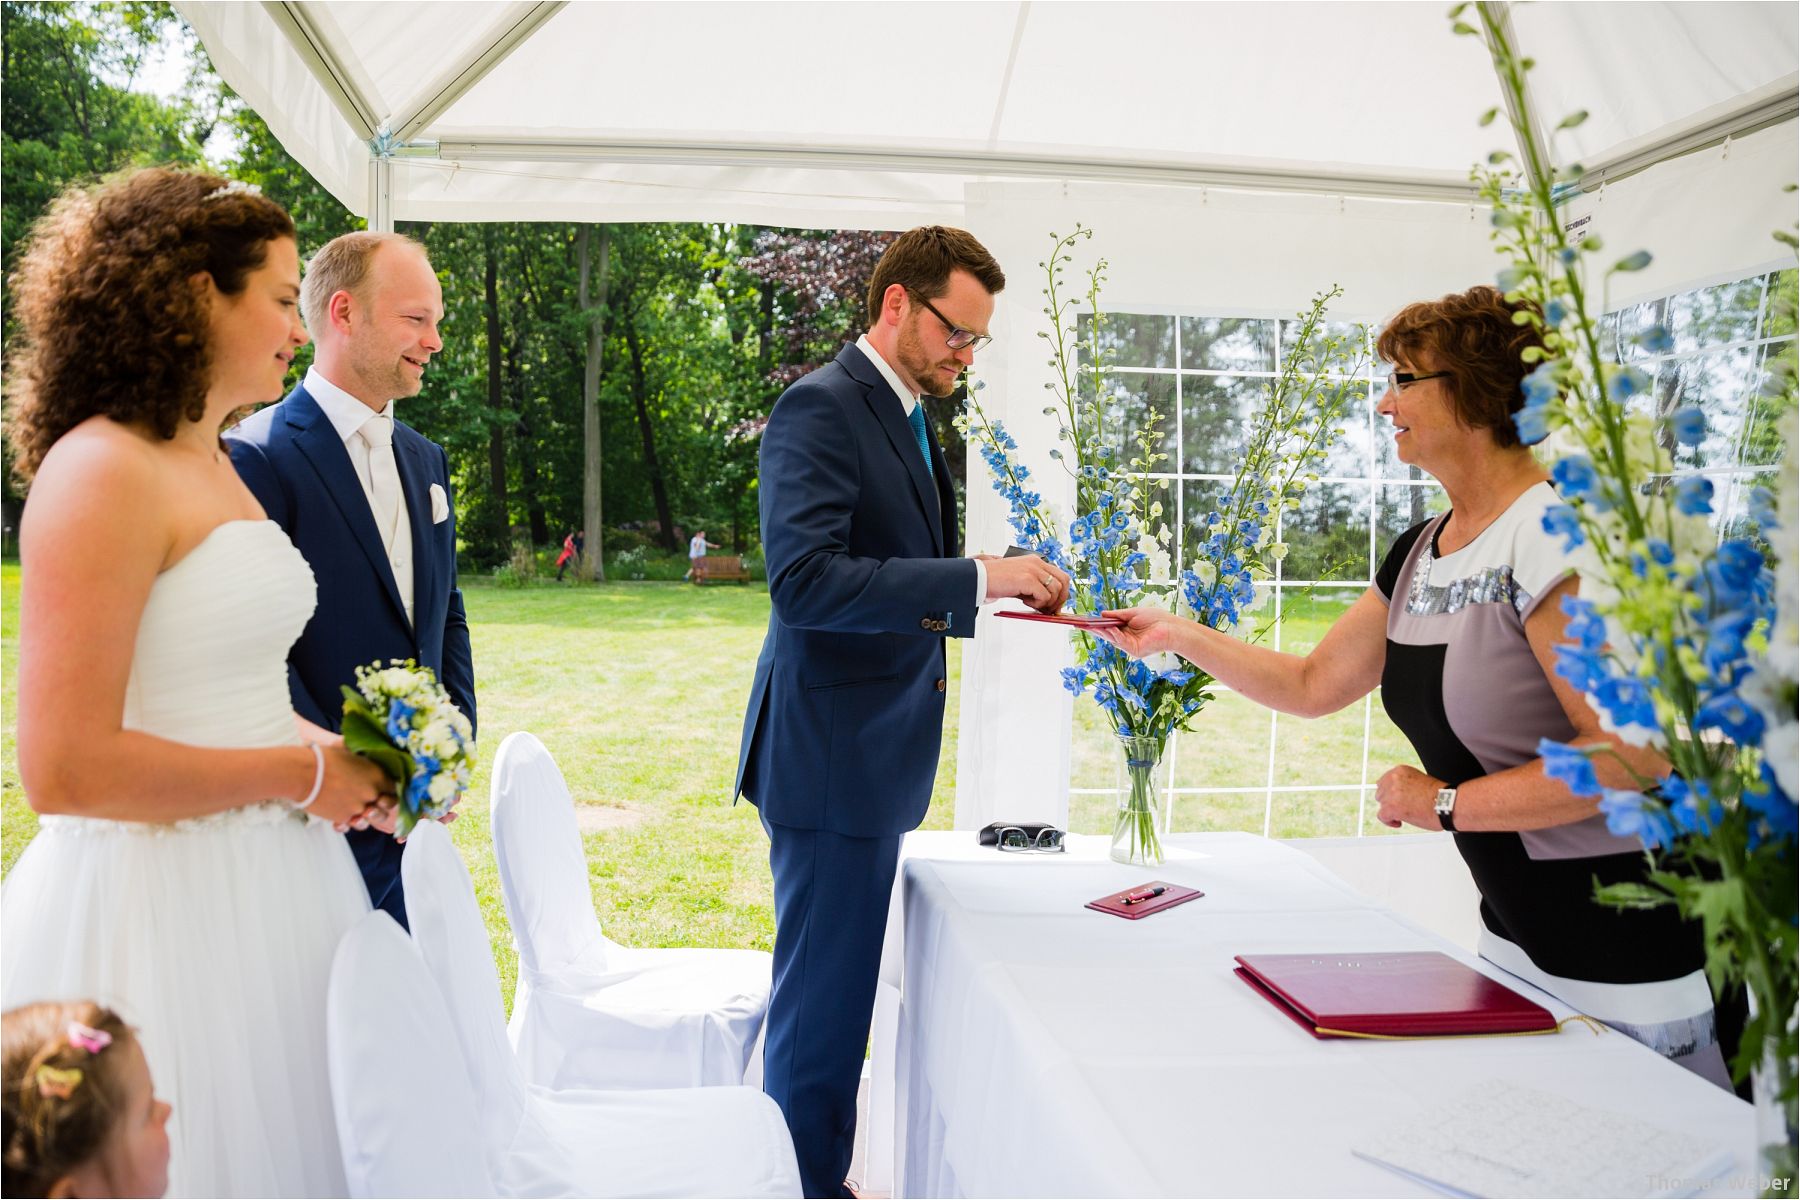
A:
x,y
658,489
538,523
496,391
593,565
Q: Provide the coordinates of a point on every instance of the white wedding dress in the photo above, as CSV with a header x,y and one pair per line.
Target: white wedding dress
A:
x,y
213,936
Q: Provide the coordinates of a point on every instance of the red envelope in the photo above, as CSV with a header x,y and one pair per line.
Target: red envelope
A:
x,y
1077,620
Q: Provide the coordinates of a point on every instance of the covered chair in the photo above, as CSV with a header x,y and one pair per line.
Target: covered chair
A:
x,y
399,1087
589,1012
716,1141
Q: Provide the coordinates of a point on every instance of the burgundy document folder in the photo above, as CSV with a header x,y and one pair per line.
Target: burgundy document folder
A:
x,y
1078,620
1410,994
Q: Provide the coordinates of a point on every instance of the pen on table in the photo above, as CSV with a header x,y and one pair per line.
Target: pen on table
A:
x,y
1140,896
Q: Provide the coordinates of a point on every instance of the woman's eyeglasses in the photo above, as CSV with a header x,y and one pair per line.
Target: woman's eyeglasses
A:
x,y
1399,381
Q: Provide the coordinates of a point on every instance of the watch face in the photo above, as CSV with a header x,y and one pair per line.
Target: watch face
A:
x,y
1446,800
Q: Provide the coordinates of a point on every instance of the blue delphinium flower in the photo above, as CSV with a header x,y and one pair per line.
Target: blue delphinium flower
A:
x,y
1560,521
1693,496
1632,814
1691,808
1728,713
1627,383
399,719
1570,766
1656,340
1689,425
1576,478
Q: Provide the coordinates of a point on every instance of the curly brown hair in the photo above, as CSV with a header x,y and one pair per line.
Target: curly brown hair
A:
x,y
108,320
1473,336
47,1134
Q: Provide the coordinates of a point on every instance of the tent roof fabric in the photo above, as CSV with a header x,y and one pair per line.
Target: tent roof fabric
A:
x,y
879,114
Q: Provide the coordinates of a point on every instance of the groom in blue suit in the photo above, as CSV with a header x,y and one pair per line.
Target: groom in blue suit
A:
x,y
364,498
840,741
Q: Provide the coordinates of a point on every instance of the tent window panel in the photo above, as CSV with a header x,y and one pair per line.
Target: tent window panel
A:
x,y
1131,339
1349,448
1716,316
1328,537
1399,508
1761,444
1215,418
1720,385
1322,813
1129,401
1227,344
1353,341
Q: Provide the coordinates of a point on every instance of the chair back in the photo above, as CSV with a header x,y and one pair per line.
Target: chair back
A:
x,y
453,941
400,1089
543,869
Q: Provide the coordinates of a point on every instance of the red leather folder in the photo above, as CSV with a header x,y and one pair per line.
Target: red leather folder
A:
x,y
1144,899
1078,620
1414,994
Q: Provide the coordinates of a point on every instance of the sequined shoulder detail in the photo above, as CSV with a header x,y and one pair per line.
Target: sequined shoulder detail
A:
x,y
1493,585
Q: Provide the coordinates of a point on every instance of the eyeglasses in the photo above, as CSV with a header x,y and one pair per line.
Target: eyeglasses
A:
x,y
1012,838
959,337
1401,380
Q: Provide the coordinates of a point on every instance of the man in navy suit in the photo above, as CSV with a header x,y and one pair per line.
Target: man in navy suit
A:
x,y
365,498
840,742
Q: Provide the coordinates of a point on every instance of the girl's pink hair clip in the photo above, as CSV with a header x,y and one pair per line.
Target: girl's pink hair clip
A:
x,y
84,1038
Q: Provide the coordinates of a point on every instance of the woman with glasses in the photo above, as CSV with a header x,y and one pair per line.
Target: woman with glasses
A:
x,y
1459,631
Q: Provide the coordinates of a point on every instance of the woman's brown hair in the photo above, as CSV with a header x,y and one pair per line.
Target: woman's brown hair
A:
x,y
1471,335
56,1119
109,322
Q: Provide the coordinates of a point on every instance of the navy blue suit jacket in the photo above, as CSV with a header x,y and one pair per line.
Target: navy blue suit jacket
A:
x,y
847,708
295,463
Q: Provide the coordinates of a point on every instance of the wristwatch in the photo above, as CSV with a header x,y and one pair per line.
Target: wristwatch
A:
x,y
1445,808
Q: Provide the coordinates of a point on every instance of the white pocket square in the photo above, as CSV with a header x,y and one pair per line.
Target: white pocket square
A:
x,y
440,505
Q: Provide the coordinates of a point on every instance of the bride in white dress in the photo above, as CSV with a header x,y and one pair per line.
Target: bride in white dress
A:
x,y
173,876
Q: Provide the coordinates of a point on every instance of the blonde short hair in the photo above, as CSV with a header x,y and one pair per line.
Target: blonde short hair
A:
x,y
342,265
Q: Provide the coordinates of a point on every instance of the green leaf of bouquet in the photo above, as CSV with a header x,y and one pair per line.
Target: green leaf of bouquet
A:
x,y
1635,262
1573,119
1631,895
1487,118
363,736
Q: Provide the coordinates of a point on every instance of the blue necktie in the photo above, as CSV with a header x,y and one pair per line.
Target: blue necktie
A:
x,y
917,419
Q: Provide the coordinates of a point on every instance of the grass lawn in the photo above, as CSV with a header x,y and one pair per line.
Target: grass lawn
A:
x,y
638,689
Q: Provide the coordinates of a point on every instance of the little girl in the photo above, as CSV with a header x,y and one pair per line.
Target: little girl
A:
x,y
81,1115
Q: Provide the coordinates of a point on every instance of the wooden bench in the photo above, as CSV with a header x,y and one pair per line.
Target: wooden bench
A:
x,y
716,568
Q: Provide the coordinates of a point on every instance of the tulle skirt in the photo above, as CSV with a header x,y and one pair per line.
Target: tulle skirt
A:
x,y
214,938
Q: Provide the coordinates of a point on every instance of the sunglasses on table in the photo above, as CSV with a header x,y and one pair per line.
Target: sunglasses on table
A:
x,y
1019,841
959,337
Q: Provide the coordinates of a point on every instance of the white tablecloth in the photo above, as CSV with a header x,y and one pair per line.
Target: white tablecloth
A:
x,y
1025,1046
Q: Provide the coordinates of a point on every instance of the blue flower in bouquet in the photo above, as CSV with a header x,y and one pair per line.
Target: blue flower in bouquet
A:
x,y
1691,807
1576,479
400,717
1633,814
1560,520
1656,340
1693,496
1727,712
1626,700
1627,383
1570,766
1764,797
1689,425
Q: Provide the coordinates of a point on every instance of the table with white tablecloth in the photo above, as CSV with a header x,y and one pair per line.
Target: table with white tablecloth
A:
x,y
1025,1046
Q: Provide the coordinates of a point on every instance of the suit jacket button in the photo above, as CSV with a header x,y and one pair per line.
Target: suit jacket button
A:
x,y
940,685
925,623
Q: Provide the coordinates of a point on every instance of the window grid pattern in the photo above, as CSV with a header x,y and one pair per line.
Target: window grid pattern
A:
x,y
1204,375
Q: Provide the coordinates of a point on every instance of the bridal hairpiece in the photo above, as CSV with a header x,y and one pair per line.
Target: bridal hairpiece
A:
x,y
236,187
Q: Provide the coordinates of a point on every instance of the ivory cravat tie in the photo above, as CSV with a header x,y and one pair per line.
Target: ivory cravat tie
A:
x,y
384,477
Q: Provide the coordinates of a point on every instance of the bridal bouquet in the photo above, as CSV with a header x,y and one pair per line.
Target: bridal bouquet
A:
x,y
1120,550
1681,639
400,716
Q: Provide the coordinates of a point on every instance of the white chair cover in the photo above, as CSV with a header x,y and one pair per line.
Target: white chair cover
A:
x,y
723,1141
589,1013
401,1093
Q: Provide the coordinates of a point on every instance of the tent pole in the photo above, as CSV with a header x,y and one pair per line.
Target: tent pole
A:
x,y
381,191
316,52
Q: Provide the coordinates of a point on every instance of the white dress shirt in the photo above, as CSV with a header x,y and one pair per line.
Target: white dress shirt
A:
x,y
908,402
347,415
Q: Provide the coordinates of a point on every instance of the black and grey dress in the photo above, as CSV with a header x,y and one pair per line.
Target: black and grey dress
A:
x,y
1462,683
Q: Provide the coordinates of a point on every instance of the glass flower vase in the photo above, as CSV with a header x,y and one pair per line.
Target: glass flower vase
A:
x,y
1143,802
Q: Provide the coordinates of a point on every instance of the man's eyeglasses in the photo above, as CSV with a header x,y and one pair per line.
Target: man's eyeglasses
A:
x,y
1019,841
1401,380
959,337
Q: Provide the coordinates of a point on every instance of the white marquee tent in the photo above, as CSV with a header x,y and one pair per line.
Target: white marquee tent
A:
x,y
1234,158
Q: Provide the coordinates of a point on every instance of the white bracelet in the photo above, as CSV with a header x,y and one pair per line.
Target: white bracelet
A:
x,y
318,776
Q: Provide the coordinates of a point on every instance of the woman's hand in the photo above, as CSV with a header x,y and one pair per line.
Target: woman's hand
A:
x,y
1407,796
354,791
1146,631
